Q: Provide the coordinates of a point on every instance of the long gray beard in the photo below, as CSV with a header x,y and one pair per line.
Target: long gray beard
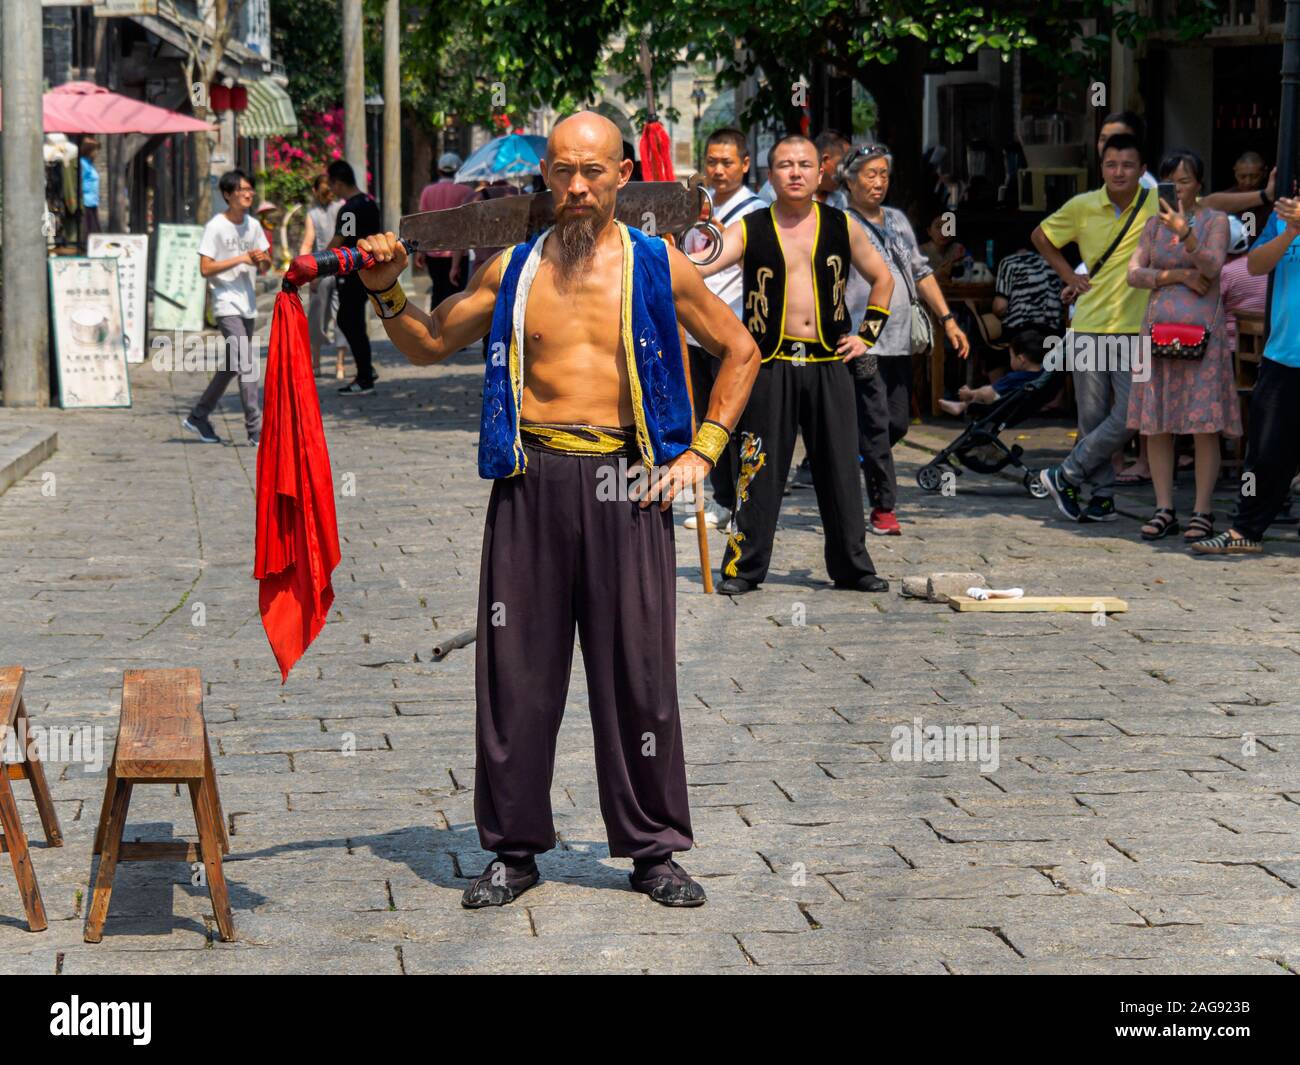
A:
x,y
576,240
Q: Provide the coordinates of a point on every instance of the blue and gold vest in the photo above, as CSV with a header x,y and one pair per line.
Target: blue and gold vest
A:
x,y
648,325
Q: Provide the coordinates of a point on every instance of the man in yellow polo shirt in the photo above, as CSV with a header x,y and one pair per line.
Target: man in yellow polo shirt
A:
x,y
1107,321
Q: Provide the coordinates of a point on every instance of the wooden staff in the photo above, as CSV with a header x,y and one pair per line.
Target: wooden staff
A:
x,y
701,529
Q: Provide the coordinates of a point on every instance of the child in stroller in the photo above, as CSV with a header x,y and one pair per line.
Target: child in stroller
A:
x,y
1015,396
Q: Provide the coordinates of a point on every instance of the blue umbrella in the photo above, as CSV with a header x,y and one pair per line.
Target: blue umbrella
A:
x,y
516,155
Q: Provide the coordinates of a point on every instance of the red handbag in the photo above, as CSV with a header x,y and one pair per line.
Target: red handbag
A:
x,y
1170,340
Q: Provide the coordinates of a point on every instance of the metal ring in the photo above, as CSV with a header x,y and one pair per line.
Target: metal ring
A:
x,y
716,248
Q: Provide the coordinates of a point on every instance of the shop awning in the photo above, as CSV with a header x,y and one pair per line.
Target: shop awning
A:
x,y
83,107
269,113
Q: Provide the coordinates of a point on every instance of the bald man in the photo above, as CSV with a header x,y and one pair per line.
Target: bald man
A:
x,y
584,382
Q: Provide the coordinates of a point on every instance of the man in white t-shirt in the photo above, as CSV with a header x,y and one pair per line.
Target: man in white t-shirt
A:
x,y
726,162
232,252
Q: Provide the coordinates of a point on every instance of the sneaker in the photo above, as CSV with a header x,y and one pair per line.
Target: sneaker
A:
x,y
883,523
1100,508
254,439
715,517
196,424
356,388
1225,543
1062,491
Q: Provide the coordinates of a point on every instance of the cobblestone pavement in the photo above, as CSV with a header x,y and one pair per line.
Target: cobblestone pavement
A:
x,y
1143,815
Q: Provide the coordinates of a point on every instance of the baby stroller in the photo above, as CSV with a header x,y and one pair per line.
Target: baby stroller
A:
x,y
978,447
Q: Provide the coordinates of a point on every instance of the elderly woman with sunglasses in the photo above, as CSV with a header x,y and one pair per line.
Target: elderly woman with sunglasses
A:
x,y
885,396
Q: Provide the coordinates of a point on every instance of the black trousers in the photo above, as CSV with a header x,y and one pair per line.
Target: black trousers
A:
x,y
817,399
704,371
439,268
1272,448
884,406
560,555
352,323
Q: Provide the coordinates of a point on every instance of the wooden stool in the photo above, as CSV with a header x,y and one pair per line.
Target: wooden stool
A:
x,y
30,769
161,740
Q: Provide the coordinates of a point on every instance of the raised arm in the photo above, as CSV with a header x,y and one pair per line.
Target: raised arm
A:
x,y
458,320
733,250
1231,202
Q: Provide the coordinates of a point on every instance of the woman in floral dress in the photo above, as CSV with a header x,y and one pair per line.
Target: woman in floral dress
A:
x,y
1179,255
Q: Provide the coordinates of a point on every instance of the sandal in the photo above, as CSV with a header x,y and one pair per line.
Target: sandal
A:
x,y
1162,524
1201,527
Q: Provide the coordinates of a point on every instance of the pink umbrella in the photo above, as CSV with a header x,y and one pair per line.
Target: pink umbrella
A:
x,y
82,107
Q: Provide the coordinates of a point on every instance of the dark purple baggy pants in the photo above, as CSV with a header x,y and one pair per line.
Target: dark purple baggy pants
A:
x,y
561,550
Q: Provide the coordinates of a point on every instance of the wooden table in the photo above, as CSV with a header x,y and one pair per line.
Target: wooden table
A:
x,y
978,297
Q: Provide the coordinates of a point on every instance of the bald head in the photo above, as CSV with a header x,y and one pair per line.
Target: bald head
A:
x,y
586,133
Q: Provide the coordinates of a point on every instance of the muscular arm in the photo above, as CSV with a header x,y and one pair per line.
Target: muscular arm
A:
x,y
733,250
458,320
720,333
871,265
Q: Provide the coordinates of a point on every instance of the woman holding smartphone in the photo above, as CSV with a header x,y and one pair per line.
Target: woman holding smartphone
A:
x,y
1190,388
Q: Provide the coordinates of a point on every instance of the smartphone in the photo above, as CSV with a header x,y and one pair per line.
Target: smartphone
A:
x,y
1168,193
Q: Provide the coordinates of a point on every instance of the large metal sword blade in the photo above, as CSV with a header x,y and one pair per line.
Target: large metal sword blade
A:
x,y
660,207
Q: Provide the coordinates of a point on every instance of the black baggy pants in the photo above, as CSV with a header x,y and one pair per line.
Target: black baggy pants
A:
x,y
817,399
559,555
884,402
352,323
722,478
1272,448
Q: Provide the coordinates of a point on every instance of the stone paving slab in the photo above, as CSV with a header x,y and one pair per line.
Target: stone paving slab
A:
x,y
1143,815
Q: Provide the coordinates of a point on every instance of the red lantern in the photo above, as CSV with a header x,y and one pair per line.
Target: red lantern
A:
x,y
239,99
219,98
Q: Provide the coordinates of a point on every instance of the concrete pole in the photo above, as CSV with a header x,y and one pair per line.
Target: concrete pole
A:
x,y
25,331
391,193
354,91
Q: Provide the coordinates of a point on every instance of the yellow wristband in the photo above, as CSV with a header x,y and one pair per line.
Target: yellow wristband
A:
x,y
389,303
711,440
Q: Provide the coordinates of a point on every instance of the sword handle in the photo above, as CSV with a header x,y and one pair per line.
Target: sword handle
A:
x,y
334,262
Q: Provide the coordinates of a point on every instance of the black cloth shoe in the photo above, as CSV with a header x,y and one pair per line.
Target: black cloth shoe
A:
x,y
736,586
868,583
202,428
666,882
499,884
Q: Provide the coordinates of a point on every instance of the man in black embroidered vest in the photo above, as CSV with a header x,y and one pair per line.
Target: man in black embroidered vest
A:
x,y
796,257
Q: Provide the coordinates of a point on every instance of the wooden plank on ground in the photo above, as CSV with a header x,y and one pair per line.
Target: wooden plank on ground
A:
x,y
1031,604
